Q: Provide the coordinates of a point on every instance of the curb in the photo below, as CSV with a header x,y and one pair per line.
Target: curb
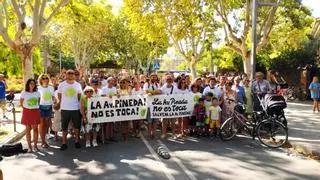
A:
x,y
15,137
305,150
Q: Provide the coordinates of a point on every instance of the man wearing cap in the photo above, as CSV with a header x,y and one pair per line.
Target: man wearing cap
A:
x,y
95,85
69,93
152,88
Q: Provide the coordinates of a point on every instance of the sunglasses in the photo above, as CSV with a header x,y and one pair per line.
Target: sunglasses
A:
x,y
89,91
122,82
70,73
45,78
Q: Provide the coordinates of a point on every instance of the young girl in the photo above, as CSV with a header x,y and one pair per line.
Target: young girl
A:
x,y
184,121
315,92
195,90
200,115
124,91
89,128
46,101
29,100
215,116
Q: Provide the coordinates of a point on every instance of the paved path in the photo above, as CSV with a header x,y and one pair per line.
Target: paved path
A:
x,y
304,127
194,158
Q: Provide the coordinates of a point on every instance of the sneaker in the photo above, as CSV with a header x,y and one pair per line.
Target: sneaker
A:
x,y
63,147
88,144
94,143
77,145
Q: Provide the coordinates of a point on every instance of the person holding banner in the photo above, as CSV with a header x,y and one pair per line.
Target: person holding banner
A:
x,y
168,89
152,88
195,90
183,122
89,128
109,91
69,93
124,91
216,91
137,90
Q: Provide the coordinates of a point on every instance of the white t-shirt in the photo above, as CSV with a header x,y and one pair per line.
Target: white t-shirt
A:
x,y
69,95
104,83
109,91
197,96
151,86
30,100
135,92
46,95
180,91
167,91
216,91
215,112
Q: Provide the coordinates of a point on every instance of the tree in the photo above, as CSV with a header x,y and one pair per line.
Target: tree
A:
x,y
22,39
184,23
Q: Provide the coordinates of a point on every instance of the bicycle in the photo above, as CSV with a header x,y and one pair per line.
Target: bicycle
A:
x,y
267,130
9,103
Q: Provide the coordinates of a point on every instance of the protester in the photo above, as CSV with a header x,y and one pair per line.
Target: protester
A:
x,y
241,94
222,83
215,116
46,101
110,90
152,88
137,90
3,87
183,122
90,129
315,92
29,101
200,115
69,93
56,124
229,101
124,91
259,87
249,105
216,91
168,89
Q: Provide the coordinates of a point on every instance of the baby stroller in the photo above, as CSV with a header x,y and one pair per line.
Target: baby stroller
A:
x,y
274,105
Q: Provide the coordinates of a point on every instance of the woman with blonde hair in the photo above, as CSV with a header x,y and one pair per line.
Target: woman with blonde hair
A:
x,y
46,101
315,92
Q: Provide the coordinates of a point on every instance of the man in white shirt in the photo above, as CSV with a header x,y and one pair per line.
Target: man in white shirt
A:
x,y
216,91
168,89
69,93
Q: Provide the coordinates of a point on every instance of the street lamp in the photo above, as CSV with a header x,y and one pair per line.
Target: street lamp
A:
x,y
255,6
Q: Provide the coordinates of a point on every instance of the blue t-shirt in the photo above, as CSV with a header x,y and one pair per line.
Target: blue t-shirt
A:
x,y
2,90
314,86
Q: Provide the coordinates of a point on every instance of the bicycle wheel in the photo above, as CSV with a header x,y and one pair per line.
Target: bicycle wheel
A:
x,y
9,106
272,133
228,129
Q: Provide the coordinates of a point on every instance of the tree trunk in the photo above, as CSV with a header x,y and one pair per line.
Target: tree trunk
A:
x,y
247,64
193,70
25,52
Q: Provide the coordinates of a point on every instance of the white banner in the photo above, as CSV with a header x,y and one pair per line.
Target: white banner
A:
x,y
171,106
105,109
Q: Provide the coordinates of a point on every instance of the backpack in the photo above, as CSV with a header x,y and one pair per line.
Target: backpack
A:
x,y
11,149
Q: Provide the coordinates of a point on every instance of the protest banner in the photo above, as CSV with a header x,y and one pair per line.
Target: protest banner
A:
x,y
105,109
171,106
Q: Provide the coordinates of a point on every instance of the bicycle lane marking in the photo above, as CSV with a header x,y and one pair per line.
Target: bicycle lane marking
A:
x,y
155,156
175,159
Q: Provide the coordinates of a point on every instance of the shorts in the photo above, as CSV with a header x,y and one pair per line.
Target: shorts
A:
x,y
30,116
149,119
70,115
2,102
89,127
45,111
316,99
214,124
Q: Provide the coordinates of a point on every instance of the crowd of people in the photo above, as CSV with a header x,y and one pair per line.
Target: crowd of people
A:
x,y
60,103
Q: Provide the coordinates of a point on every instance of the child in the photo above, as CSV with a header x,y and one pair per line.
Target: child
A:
x,y
200,114
207,104
215,116
315,95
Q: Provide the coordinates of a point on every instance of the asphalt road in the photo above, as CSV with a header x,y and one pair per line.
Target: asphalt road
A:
x,y
193,158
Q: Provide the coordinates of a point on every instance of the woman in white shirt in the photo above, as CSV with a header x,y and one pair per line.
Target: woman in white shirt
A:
x,y
46,101
29,100
183,121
